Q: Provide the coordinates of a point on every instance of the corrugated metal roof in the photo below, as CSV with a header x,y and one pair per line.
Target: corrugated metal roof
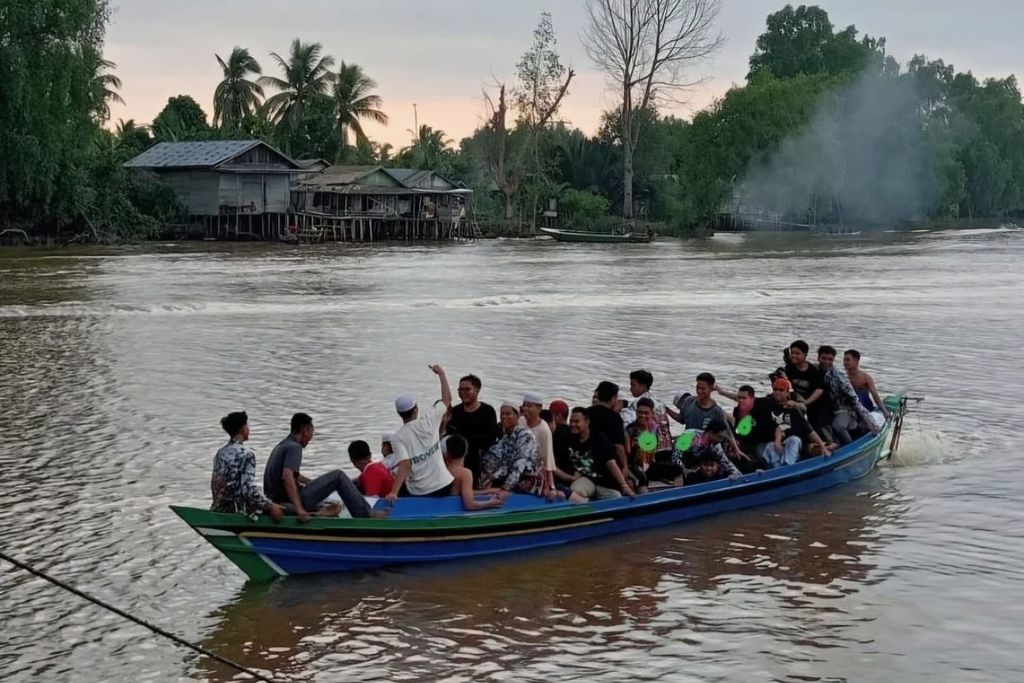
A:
x,y
207,154
345,175
411,177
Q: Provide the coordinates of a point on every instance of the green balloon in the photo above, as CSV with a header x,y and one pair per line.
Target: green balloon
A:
x,y
684,441
647,442
745,426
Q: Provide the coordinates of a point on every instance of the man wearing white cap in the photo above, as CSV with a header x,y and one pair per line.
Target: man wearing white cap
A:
x,y
421,469
532,405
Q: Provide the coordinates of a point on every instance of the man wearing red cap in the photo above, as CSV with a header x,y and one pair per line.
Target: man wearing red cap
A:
x,y
785,429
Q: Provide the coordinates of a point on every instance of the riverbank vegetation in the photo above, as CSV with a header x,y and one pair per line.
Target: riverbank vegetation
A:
x,y
827,128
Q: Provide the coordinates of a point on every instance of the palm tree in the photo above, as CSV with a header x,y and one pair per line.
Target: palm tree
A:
x,y
132,137
383,152
236,96
102,84
429,149
307,75
355,101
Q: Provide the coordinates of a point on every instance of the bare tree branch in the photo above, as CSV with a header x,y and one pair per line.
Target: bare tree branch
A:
x,y
645,47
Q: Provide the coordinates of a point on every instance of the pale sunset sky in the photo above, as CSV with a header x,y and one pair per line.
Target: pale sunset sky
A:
x,y
440,54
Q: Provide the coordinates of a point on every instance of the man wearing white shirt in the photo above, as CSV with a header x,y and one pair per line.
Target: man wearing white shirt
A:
x,y
532,405
421,468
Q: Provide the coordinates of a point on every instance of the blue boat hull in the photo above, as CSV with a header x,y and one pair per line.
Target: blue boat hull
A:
x,y
438,530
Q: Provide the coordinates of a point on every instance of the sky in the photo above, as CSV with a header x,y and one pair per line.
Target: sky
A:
x,y
441,54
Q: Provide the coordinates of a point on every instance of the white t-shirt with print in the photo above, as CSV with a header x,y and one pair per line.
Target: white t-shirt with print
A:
x,y
545,445
418,442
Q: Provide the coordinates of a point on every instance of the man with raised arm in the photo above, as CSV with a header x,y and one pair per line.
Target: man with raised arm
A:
x,y
421,467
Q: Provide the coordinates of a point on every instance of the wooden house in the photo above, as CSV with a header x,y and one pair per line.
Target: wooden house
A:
x,y
232,189
367,203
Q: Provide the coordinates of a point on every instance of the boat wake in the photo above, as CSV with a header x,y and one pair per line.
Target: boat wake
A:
x,y
920,446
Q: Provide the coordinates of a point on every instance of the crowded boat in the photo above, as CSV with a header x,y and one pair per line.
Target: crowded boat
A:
x,y
621,445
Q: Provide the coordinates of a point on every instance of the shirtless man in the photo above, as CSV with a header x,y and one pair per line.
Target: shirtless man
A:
x,y
863,383
454,450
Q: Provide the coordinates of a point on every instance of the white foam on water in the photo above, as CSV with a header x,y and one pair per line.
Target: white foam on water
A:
x,y
920,446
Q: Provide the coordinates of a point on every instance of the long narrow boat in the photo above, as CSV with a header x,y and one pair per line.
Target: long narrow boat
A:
x,y
437,530
597,237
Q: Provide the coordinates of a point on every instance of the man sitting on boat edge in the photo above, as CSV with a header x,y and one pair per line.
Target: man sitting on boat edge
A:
x,y
233,483
284,483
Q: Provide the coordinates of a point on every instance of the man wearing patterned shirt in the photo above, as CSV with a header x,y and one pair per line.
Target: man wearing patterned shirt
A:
x,y
850,413
233,483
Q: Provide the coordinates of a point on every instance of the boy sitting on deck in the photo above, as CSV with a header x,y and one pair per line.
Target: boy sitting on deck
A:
x,y
375,479
454,449
709,469
712,443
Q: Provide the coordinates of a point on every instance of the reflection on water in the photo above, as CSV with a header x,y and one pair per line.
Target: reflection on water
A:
x,y
116,365
662,597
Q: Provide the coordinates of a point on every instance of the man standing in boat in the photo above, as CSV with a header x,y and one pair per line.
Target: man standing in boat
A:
x,y
421,468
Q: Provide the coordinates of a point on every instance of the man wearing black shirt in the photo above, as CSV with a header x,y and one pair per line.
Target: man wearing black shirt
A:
x,y
809,384
595,473
605,420
784,430
474,420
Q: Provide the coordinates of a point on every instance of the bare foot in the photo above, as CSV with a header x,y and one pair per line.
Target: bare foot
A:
x,y
331,510
379,514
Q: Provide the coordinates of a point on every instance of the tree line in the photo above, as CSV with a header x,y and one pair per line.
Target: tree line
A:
x,y
826,128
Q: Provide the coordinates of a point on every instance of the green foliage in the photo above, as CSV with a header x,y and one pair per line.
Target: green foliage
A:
x,y
181,120
582,208
314,135
132,139
802,41
236,97
306,77
430,149
354,100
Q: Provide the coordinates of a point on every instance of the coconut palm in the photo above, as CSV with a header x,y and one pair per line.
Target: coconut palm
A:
x,y
103,85
307,76
132,137
430,149
355,100
236,96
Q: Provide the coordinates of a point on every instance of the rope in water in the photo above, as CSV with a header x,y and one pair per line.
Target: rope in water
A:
x,y
121,613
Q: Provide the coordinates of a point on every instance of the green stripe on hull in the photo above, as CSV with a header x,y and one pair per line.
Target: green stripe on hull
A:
x,y
204,518
239,551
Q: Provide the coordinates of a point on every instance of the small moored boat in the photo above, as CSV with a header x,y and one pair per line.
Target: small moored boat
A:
x,y
597,237
423,530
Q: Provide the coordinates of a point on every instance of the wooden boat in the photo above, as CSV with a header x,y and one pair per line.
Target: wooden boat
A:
x,y
597,237
423,530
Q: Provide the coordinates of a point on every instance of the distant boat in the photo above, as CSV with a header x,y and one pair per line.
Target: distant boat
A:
x,y
597,237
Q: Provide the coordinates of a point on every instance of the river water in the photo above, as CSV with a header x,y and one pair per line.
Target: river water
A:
x,y
117,365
